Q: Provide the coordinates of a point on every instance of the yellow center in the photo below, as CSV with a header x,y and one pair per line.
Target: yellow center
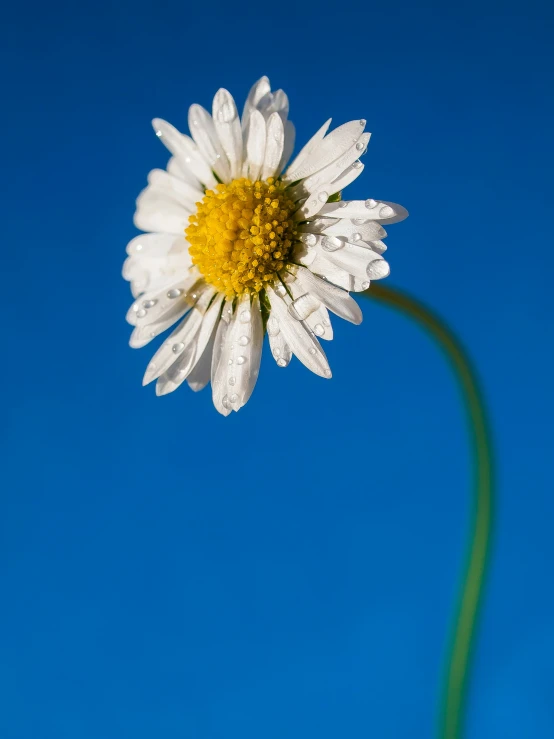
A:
x,y
241,235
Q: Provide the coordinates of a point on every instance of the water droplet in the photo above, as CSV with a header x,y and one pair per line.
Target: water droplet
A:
x,y
331,243
138,247
309,239
233,398
280,290
343,204
359,221
277,351
318,329
141,313
149,303
245,316
159,134
244,340
386,212
355,237
323,196
370,203
176,348
232,380
152,334
241,359
362,121
174,293
377,268
365,285
273,326
303,306
230,362
359,146
327,373
357,164
194,296
225,402
312,350
282,362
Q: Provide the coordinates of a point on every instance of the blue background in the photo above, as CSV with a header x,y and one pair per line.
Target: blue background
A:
x,y
291,570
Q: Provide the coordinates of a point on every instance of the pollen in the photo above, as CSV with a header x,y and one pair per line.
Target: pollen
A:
x,y
241,234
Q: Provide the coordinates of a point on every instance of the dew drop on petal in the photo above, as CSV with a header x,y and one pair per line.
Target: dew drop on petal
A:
x,y
174,293
312,350
225,402
362,121
370,203
277,352
365,285
281,362
149,303
244,340
232,380
176,348
233,398
359,146
230,362
318,329
323,196
386,212
245,316
309,239
141,313
331,243
241,359
355,237
280,290
357,164
359,221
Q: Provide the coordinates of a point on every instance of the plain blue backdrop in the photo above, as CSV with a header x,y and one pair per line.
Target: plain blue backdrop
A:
x,y
289,571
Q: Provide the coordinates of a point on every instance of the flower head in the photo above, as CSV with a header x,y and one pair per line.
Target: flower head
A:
x,y
237,246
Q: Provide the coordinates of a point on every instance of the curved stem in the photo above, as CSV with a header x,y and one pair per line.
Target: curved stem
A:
x,y
471,590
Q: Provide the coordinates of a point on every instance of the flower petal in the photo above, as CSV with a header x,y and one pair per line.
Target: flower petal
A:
x,y
288,146
374,210
178,342
158,212
153,305
274,146
257,92
227,125
298,337
175,375
184,148
307,151
255,145
334,298
203,132
327,151
307,306
280,350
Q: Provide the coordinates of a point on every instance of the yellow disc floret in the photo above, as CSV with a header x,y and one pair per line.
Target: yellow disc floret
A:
x,y
241,234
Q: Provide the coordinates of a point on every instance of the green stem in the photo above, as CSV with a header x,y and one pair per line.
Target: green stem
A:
x,y
463,636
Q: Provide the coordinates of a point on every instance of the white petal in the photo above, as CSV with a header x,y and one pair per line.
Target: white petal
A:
x,y
185,149
307,306
179,341
227,125
327,151
347,177
274,146
276,102
334,298
336,170
359,261
177,167
142,335
219,361
156,245
288,146
338,276
373,210
151,273
175,375
299,338
153,305
255,145
240,347
279,348
307,151
257,92
183,193
203,132
199,376
356,231
157,212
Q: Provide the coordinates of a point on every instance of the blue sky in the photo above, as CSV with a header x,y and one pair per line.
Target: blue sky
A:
x,y
291,570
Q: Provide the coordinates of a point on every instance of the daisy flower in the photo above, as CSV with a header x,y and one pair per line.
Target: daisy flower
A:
x,y
238,246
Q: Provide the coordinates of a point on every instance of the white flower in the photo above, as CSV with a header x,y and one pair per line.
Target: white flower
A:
x,y
236,247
